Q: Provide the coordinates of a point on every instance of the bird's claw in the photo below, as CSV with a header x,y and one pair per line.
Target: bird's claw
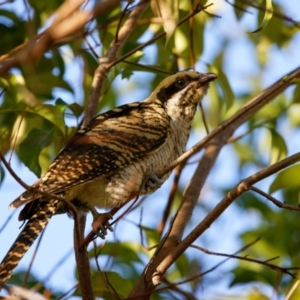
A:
x,y
156,180
153,183
100,224
101,232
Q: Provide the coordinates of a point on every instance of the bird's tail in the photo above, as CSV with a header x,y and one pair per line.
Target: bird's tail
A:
x,y
37,222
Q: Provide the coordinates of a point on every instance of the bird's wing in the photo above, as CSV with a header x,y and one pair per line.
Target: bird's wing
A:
x,y
109,143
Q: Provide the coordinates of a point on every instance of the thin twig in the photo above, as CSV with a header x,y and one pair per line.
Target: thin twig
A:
x,y
121,20
91,109
184,295
92,234
203,118
7,221
82,259
160,35
68,292
191,33
107,62
156,70
238,190
246,258
171,199
171,247
148,292
140,228
68,20
90,47
102,274
111,288
292,290
275,13
274,200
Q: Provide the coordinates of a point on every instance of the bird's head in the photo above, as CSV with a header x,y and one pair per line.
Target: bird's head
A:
x,y
183,89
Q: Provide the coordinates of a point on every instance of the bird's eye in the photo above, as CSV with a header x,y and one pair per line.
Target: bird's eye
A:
x,y
181,83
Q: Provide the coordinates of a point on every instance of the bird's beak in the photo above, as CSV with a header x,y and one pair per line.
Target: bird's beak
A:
x,y
207,77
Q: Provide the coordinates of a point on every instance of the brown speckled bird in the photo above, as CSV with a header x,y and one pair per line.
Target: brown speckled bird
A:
x,y
114,158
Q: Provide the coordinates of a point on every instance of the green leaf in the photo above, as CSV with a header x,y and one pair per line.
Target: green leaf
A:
x,y
296,98
76,109
2,174
278,147
51,113
32,281
128,69
127,251
102,283
250,272
185,43
250,201
181,263
10,15
291,195
61,104
58,61
239,9
222,81
267,16
17,31
152,236
42,84
294,113
122,285
287,178
41,6
168,11
276,31
31,147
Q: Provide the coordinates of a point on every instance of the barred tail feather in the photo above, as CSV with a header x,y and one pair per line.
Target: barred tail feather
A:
x,y
43,213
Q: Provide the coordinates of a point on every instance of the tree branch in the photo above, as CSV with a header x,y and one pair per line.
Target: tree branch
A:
x,y
105,62
275,201
238,190
100,75
246,258
69,19
170,247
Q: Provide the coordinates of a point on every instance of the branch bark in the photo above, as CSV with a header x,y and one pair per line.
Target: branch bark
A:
x,y
69,19
171,246
105,62
100,75
238,190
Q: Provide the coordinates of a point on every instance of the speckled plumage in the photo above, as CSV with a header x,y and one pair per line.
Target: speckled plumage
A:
x,y
114,158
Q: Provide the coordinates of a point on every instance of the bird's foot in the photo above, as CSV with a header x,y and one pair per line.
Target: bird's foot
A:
x,y
156,180
100,223
153,183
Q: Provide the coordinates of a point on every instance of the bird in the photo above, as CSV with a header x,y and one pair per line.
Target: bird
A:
x,y
112,159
